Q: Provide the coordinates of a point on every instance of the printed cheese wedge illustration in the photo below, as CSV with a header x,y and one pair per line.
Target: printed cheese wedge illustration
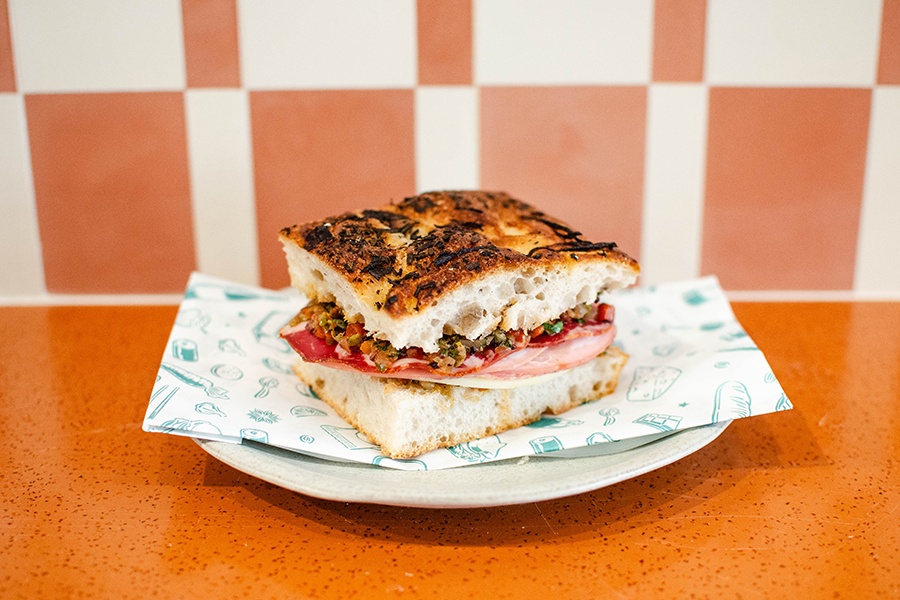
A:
x,y
649,383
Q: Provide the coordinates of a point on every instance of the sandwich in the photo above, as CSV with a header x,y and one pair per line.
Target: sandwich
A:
x,y
451,316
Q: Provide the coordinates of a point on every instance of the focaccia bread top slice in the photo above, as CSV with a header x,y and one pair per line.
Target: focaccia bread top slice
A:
x,y
464,262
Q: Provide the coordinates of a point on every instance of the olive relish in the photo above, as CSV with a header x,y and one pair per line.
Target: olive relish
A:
x,y
326,321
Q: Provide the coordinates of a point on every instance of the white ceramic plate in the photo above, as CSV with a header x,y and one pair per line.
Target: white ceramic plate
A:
x,y
513,481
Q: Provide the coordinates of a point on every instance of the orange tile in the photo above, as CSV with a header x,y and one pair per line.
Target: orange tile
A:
x,y
889,57
320,153
7,70
211,43
576,152
784,186
445,42
112,191
679,30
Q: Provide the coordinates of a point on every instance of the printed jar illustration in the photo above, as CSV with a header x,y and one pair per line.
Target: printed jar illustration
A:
x,y
185,350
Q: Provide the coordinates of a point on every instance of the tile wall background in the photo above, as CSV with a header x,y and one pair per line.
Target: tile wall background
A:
x,y
758,140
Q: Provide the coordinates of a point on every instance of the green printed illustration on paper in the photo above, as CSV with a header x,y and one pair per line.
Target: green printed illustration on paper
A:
x,y
277,366
266,384
478,451
192,379
263,416
783,404
162,403
217,291
186,350
349,437
609,415
307,411
599,438
659,421
553,423
266,331
384,461
226,372
193,317
732,401
664,350
546,444
255,435
208,408
649,383
307,391
231,346
694,298
180,424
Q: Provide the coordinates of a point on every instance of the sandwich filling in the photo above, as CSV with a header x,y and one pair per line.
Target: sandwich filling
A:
x,y
321,334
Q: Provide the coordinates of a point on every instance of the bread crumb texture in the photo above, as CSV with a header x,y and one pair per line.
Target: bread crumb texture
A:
x,y
408,418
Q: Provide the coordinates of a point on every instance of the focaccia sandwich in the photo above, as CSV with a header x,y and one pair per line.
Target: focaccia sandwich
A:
x,y
450,316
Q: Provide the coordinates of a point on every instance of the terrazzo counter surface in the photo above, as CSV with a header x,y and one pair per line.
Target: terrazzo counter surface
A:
x,y
801,503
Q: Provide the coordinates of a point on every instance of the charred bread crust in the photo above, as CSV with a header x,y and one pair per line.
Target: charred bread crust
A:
x,y
402,257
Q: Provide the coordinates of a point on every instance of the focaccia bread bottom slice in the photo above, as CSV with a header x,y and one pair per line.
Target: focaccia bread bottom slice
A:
x,y
408,418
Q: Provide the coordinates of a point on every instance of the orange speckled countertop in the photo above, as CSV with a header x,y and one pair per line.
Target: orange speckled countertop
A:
x,y
804,503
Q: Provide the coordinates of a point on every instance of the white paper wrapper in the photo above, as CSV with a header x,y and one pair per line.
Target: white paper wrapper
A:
x,y
226,375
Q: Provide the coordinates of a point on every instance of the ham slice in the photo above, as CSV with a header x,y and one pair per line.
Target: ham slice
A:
x,y
575,345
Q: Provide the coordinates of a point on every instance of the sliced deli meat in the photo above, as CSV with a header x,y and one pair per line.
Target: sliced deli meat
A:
x,y
557,346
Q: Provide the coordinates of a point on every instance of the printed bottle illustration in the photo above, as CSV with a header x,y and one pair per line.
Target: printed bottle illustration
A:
x,y
184,349
649,383
192,379
543,445
659,421
732,401
478,451
255,435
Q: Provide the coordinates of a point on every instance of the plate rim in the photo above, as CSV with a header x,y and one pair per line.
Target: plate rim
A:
x,y
269,464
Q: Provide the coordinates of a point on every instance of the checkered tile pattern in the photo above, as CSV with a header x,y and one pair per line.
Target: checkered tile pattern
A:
x,y
757,140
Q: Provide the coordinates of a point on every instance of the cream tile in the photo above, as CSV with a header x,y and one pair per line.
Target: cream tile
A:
x,y
879,244
447,152
97,45
524,42
21,267
309,44
219,151
803,42
674,185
